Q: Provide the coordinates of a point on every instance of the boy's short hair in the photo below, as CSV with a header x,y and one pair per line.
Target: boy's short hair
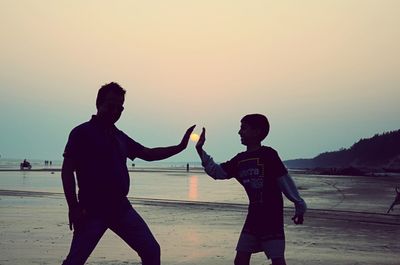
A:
x,y
257,121
108,88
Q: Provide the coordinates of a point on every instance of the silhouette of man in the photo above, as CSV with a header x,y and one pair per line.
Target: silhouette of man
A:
x,y
96,152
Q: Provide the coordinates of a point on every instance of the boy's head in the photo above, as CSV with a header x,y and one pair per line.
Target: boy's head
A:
x,y
254,127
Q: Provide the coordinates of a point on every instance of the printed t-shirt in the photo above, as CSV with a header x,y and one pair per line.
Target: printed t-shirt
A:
x,y
258,172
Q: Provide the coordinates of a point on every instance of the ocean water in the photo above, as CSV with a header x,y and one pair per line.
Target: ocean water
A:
x,y
168,185
13,163
365,194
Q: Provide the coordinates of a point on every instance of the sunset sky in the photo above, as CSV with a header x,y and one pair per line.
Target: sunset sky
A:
x,y
326,73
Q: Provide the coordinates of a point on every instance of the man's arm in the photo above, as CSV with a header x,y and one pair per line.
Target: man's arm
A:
x,y
288,187
159,153
75,212
68,181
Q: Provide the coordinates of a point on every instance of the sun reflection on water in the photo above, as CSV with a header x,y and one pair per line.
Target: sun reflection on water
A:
x,y
193,193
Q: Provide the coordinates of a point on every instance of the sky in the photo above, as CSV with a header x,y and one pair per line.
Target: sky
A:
x,y
325,73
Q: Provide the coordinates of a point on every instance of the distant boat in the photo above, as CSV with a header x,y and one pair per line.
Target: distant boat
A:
x,y
25,165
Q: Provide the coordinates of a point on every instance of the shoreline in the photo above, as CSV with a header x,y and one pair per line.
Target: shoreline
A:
x,y
201,170
343,215
138,169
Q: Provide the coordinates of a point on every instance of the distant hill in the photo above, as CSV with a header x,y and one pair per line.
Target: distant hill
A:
x,y
382,151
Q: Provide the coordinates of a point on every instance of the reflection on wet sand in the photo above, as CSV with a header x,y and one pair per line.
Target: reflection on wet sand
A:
x,y
193,188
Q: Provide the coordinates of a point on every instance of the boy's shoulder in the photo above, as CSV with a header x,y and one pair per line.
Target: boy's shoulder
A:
x,y
269,149
264,151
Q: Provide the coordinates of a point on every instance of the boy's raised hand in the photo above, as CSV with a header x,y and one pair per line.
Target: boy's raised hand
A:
x,y
201,141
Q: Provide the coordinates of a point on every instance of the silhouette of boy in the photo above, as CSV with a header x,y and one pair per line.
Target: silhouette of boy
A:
x,y
264,177
96,152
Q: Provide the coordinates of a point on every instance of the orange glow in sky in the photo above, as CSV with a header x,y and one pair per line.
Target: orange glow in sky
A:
x,y
326,73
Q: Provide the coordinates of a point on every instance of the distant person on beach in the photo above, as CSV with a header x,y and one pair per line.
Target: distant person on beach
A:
x,y
264,177
96,152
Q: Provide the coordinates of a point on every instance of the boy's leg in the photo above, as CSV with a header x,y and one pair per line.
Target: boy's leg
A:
x,y
242,258
275,250
135,232
278,261
247,244
85,240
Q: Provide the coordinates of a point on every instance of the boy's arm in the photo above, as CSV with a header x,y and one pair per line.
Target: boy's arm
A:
x,y
213,169
288,187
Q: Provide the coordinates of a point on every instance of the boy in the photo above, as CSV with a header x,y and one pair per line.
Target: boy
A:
x,y
264,177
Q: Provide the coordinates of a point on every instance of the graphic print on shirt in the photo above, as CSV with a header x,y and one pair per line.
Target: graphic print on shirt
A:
x,y
251,176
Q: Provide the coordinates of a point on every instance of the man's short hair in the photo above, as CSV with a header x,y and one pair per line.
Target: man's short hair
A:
x,y
108,88
257,121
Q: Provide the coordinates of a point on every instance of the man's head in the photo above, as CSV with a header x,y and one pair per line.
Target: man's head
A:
x,y
109,102
254,128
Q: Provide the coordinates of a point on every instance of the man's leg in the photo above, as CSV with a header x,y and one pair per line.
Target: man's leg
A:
x,y
84,241
135,232
242,258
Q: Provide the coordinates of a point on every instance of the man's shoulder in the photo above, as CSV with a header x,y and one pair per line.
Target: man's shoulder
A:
x,y
82,128
119,131
121,134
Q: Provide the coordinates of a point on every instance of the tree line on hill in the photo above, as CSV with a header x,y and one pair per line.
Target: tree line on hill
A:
x,y
378,153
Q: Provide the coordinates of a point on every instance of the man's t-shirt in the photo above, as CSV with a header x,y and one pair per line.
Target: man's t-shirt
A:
x,y
100,154
258,172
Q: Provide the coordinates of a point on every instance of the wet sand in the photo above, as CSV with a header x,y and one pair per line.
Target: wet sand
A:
x,y
34,230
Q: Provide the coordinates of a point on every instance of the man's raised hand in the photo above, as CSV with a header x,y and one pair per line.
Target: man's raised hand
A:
x,y
186,137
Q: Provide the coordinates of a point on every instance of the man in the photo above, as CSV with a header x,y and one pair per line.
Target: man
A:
x,y
96,152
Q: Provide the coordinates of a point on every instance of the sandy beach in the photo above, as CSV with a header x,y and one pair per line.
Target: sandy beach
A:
x,y
34,230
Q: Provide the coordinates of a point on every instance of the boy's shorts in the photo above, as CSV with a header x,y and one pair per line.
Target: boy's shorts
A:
x,y
273,248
